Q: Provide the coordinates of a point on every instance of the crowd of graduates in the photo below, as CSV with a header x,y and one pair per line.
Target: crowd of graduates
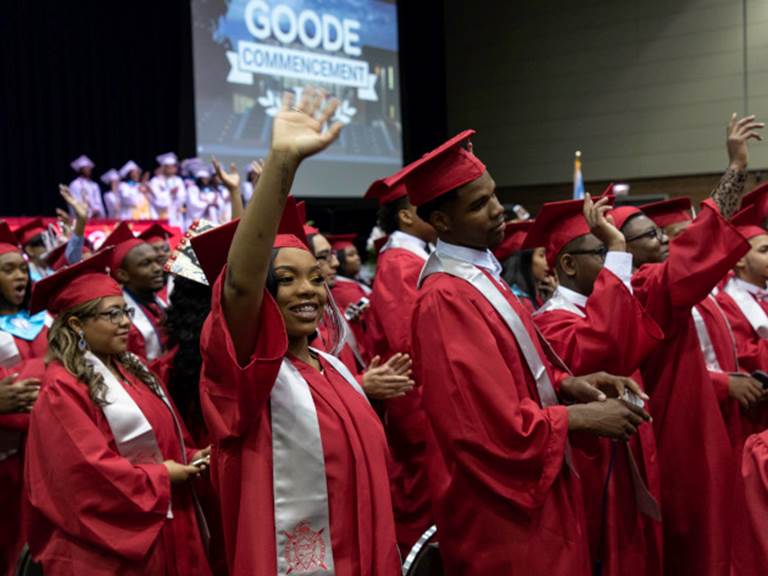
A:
x,y
579,393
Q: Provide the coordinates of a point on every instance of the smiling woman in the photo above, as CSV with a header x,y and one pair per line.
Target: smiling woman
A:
x,y
119,443
300,451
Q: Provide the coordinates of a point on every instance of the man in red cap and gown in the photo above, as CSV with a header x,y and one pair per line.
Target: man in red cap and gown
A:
x,y
395,289
136,265
505,495
669,280
594,322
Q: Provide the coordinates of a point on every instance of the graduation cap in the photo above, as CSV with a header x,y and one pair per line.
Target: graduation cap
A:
x,y
110,176
748,222
445,168
155,233
167,159
123,241
514,236
759,197
128,167
559,223
301,212
8,240
27,231
386,190
74,285
212,248
81,162
621,214
341,241
667,212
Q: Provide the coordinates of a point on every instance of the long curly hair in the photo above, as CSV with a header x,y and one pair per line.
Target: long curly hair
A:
x,y
190,304
63,347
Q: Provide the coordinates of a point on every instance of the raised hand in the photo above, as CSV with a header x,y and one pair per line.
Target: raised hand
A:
x,y
230,179
298,130
602,226
389,380
738,133
79,207
256,168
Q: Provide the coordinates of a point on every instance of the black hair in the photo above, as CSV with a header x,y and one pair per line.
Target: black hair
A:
x,y
425,210
389,215
271,283
190,305
311,243
517,271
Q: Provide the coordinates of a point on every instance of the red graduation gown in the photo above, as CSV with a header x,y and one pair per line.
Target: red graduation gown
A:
x,y
752,354
389,329
236,407
615,335
505,500
13,429
117,523
750,525
347,292
696,468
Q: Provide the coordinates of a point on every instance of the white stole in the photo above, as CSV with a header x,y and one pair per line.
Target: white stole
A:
x,y
302,520
750,307
145,327
9,352
134,436
397,241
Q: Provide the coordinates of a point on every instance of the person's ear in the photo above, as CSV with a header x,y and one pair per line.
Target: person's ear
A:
x,y
741,264
122,276
405,218
566,264
440,221
75,324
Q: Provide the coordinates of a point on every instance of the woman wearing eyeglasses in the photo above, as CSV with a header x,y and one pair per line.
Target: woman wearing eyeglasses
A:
x,y
107,474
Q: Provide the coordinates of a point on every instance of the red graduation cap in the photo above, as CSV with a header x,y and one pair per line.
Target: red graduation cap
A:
x,y
27,231
155,233
212,248
124,241
341,241
759,197
74,285
621,214
387,190
56,259
668,212
445,168
514,236
557,224
8,240
748,222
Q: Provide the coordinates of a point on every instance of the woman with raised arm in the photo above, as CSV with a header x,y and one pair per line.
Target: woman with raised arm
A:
x,y
299,453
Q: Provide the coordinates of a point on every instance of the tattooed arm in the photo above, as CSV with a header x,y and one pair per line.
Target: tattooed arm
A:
x,y
297,133
727,194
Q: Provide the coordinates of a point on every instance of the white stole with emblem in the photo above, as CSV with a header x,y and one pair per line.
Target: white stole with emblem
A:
x,y
750,307
302,520
145,327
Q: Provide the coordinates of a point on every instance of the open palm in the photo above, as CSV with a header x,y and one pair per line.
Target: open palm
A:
x,y
298,130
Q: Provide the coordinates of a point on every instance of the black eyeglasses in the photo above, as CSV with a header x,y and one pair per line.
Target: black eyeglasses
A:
x,y
650,234
599,252
116,315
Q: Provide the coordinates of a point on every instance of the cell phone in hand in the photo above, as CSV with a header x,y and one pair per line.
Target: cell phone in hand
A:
x,y
631,398
762,377
204,461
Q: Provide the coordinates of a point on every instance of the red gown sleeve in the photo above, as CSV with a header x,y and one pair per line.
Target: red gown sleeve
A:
x,y
615,335
395,295
233,396
481,411
82,485
698,259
